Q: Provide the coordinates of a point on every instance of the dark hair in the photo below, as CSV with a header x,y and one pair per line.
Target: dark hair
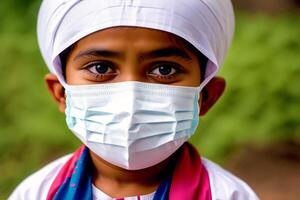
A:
x,y
63,59
202,59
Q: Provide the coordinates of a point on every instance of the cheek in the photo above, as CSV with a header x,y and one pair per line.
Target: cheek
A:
x,y
76,76
193,77
73,76
68,75
196,76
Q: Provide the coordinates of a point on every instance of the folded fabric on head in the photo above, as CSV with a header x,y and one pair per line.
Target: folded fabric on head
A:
x,y
207,24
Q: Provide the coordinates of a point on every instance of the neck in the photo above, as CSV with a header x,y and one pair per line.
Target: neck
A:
x,y
119,182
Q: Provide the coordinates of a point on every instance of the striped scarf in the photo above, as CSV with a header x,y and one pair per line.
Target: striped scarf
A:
x,y
189,180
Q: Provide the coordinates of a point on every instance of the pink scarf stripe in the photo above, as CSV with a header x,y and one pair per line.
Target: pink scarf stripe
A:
x,y
65,173
190,179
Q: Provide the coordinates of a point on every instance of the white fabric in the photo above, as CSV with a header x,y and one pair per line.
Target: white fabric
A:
x,y
206,24
99,195
124,123
224,185
37,185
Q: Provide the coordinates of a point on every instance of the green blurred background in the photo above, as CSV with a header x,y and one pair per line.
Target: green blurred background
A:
x,y
261,105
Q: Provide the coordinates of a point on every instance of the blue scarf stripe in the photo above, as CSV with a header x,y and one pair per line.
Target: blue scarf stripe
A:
x,y
162,193
79,185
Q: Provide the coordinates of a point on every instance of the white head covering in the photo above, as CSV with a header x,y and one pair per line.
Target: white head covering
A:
x,y
207,24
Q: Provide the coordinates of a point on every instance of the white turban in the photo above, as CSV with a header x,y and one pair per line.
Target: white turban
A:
x,y
207,24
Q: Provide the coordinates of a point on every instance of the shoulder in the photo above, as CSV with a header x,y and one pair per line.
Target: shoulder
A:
x,y
225,185
36,186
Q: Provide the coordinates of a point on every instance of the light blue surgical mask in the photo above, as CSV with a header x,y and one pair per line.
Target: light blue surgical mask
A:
x,y
132,125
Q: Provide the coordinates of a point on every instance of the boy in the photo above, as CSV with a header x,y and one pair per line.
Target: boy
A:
x,y
132,78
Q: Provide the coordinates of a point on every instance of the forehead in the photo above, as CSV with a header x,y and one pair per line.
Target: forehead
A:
x,y
133,36
133,39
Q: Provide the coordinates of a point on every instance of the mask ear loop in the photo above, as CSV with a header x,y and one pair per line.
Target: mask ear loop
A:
x,y
60,63
210,72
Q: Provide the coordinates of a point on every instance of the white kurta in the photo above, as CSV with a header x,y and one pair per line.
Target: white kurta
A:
x,y
223,184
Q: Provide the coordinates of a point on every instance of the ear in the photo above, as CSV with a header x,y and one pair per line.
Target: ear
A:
x,y
56,90
211,93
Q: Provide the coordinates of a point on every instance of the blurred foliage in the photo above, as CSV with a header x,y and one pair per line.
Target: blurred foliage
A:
x,y
32,131
261,103
262,100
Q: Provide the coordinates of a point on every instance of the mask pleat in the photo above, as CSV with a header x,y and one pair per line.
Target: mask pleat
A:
x,y
135,117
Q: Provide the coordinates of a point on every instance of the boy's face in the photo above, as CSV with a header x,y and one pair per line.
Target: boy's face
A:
x,y
132,54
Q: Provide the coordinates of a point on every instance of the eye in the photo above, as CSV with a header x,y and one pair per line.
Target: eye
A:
x,y
101,68
164,70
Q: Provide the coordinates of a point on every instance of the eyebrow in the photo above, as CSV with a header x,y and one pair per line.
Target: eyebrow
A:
x,y
164,52
98,53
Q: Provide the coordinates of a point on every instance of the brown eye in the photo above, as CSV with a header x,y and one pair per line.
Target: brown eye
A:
x,y
164,70
101,68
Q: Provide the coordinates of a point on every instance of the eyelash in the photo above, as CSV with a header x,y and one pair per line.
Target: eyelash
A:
x,y
98,76
177,69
